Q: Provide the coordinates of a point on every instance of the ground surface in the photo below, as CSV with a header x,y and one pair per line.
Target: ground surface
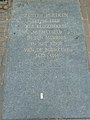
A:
x,y
4,16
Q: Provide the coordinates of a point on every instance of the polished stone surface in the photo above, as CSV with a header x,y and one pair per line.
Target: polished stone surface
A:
x,y
46,73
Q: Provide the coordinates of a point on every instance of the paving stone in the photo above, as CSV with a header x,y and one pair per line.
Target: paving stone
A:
x,y
2,34
88,9
83,2
2,44
87,3
84,12
3,23
0,61
3,16
2,50
2,29
86,27
89,14
88,43
2,68
2,38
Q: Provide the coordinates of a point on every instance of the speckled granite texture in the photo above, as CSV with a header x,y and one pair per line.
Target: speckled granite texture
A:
x,y
46,73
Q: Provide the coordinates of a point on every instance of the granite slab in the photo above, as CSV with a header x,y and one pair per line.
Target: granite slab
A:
x,y
46,73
